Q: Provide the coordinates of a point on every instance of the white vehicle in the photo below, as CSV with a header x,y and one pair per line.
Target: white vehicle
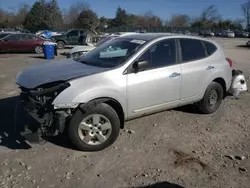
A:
x,y
212,34
122,79
248,43
229,34
79,51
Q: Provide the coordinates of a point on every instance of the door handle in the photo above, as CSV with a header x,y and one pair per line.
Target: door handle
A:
x,y
175,74
210,67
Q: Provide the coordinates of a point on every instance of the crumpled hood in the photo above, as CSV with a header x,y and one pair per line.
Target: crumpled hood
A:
x,y
48,72
81,49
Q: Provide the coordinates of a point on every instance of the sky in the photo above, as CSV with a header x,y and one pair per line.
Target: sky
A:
x,y
228,9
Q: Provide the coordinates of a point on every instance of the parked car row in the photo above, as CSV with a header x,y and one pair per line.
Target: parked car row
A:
x,y
242,34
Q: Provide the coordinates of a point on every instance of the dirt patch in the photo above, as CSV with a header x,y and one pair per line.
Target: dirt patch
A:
x,y
184,160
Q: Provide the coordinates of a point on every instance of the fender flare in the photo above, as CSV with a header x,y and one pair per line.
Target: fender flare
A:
x,y
214,77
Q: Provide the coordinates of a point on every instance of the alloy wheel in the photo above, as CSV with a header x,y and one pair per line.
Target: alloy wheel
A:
x,y
95,129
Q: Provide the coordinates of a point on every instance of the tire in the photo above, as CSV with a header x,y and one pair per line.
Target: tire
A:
x,y
77,137
207,105
39,49
60,45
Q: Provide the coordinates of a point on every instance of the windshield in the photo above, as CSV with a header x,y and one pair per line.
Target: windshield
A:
x,y
112,53
3,35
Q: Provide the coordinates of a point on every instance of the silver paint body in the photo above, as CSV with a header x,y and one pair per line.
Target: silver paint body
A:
x,y
149,91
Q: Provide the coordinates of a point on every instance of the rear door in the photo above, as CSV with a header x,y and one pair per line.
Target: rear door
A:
x,y
28,42
196,68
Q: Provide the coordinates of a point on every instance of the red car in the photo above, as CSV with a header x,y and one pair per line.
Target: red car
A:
x,y
21,42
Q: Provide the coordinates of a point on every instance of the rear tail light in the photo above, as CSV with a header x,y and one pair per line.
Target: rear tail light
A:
x,y
230,62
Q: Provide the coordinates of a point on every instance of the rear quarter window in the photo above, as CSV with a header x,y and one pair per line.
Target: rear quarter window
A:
x,y
211,48
192,49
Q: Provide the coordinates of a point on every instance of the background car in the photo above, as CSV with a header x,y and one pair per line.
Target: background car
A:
x,y
230,34
79,51
4,34
21,43
71,37
206,33
187,32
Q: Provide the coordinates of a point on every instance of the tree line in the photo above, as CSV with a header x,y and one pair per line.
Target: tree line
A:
x,y
46,14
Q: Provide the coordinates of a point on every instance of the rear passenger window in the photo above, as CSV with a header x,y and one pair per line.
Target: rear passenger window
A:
x,y
210,47
192,49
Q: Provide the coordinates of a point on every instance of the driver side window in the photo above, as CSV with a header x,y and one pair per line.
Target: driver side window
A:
x,y
73,33
160,54
13,37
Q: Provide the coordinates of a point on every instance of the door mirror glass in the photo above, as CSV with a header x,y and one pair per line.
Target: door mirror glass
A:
x,y
140,65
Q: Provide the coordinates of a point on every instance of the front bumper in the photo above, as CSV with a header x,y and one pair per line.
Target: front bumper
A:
x,y
38,105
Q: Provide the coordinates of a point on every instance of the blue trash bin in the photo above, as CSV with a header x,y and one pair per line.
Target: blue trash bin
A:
x,y
49,51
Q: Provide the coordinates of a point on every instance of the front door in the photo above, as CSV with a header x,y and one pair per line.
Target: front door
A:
x,y
12,43
73,37
156,87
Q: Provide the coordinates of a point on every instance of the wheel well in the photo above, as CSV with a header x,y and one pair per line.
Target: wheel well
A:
x,y
222,82
111,102
118,108
60,41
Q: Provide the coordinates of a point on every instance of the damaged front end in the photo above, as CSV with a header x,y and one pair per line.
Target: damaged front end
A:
x,y
38,103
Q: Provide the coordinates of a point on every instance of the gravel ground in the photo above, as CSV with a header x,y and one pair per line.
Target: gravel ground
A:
x,y
176,148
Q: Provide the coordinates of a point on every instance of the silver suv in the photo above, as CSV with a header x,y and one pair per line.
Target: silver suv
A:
x,y
122,79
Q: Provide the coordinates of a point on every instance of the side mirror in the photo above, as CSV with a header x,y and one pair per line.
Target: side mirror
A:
x,y
140,65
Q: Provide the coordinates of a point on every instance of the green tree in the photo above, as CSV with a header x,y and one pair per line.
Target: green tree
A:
x,y
44,15
88,20
103,23
36,18
54,17
121,18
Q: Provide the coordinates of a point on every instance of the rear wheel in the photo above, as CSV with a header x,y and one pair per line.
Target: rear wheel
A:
x,y
94,130
39,49
60,45
212,98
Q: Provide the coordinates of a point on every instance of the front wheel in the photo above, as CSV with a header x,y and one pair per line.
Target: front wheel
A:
x,y
212,98
95,129
60,45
